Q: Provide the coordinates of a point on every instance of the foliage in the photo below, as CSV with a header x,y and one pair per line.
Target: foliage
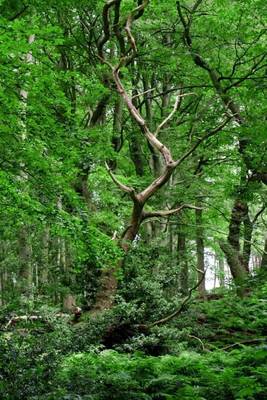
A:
x,y
133,157
29,356
240,374
214,349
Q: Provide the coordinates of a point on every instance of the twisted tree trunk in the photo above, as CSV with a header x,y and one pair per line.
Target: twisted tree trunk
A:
x,y
108,288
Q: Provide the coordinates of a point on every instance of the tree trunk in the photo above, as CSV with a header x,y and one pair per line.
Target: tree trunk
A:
x,y
43,270
132,230
248,231
263,265
69,303
117,130
239,212
25,254
108,280
136,154
200,253
238,271
1,289
221,271
134,143
155,161
182,262
231,249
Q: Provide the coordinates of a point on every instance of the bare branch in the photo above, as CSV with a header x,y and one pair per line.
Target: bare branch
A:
x,y
170,164
248,341
22,11
199,340
258,214
182,305
136,12
168,118
157,183
106,31
127,189
202,139
139,119
167,213
255,68
114,236
141,94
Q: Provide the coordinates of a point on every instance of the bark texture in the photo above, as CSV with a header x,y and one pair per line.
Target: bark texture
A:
x,y
200,253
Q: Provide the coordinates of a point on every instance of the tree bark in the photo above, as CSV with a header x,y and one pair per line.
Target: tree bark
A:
x,y
43,270
263,265
200,252
136,154
1,289
237,269
248,231
117,130
221,271
25,254
182,261
134,142
239,214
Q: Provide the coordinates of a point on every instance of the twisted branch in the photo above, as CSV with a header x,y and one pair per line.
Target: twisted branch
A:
x,y
167,213
169,117
106,28
127,189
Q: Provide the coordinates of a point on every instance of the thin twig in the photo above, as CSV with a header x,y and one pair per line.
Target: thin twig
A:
x,y
243,342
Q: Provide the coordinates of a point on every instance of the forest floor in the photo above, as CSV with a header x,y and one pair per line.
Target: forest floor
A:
x,y
214,349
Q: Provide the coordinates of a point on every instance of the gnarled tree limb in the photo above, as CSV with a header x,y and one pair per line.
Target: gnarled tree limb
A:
x,y
167,213
127,189
106,27
169,117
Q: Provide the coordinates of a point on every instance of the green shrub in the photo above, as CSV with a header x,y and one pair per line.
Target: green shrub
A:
x,y
29,358
238,375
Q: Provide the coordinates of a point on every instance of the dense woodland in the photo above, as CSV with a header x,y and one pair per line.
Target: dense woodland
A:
x,y
133,199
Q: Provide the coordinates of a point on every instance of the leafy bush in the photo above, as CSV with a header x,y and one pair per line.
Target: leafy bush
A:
x,y
28,359
239,375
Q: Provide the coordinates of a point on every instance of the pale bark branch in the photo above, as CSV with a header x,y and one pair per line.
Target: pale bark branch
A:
x,y
169,117
200,341
137,11
167,213
127,189
170,164
155,143
156,184
141,94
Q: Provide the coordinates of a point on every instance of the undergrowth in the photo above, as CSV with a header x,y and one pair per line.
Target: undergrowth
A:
x,y
214,350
